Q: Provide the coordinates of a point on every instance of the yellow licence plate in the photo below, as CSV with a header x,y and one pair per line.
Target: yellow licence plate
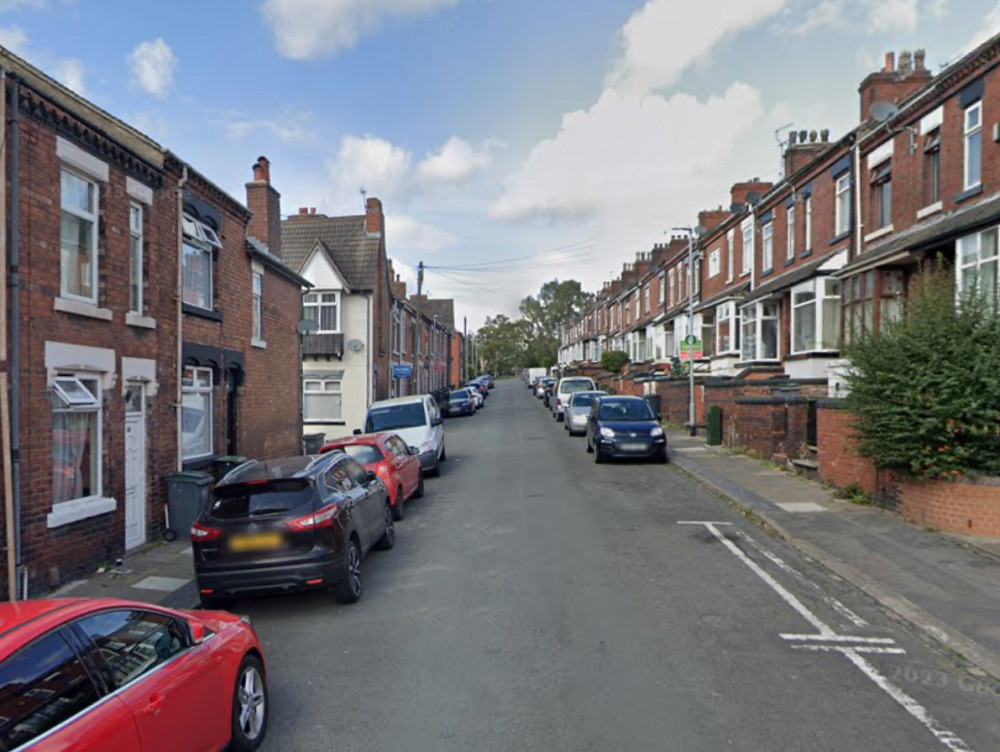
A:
x,y
256,542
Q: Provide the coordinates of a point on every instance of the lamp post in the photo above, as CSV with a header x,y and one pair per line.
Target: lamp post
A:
x,y
693,234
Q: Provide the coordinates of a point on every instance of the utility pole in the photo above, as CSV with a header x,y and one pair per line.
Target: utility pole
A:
x,y
693,234
417,330
464,375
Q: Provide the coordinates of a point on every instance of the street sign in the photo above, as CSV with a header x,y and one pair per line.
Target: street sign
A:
x,y
691,348
404,371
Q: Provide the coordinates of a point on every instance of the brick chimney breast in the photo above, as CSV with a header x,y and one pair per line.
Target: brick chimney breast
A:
x,y
264,203
893,83
374,219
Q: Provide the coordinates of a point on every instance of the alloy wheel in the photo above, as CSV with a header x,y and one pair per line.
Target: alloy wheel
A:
x,y
252,703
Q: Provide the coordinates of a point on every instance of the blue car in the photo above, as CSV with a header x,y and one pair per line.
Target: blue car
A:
x,y
623,427
459,403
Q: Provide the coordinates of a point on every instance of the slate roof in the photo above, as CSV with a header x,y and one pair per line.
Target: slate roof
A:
x,y
344,239
443,309
789,278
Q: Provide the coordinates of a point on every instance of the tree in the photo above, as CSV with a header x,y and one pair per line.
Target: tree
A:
x,y
503,344
613,361
926,390
557,304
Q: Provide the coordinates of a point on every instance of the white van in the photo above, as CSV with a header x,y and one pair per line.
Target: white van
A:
x,y
564,390
417,421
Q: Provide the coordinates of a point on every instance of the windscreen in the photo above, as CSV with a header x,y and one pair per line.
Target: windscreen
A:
x,y
391,417
363,454
261,499
582,400
625,410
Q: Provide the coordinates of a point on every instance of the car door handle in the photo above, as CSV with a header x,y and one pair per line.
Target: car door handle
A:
x,y
155,705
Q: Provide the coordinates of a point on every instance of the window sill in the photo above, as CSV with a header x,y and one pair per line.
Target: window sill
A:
x,y
967,194
259,343
137,319
745,274
320,422
789,262
806,253
806,354
929,210
202,312
80,308
67,512
878,233
765,272
840,238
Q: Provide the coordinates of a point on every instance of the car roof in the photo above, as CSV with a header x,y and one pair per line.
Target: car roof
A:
x,y
621,398
362,438
299,466
410,399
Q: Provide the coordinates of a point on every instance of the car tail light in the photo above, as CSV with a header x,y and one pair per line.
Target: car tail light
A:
x,y
203,533
322,518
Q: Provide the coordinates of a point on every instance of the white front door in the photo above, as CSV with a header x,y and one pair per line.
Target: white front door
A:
x,y
135,465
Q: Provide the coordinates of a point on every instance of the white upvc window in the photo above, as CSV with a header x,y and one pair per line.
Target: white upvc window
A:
x,y
673,286
714,262
76,438
258,313
323,307
730,254
972,140
200,243
977,265
645,298
842,205
635,303
760,330
78,237
790,230
727,328
767,246
135,224
747,232
663,288
196,420
808,206
322,400
816,315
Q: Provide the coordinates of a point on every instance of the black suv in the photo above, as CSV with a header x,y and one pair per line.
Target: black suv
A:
x,y
290,524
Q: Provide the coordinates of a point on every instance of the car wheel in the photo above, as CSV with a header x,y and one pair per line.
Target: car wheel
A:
x,y
598,455
662,457
444,454
399,508
388,539
419,493
249,723
349,588
589,447
215,603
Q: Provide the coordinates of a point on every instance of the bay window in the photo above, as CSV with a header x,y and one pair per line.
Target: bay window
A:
x,y
78,225
322,400
727,329
76,438
761,330
815,315
859,307
196,420
707,334
977,266
893,291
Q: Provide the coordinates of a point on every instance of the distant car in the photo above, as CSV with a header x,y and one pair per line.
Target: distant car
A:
x,y
578,410
392,461
460,402
564,388
283,525
106,674
477,397
624,427
550,384
488,379
417,421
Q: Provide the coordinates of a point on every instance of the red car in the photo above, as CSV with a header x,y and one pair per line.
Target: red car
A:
x,y
119,676
391,460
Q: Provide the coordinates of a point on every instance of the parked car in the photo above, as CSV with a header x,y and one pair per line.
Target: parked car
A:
x,y
578,410
478,398
547,392
542,385
624,427
480,387
283,525
564,388
417,421
460,402
488,380
95,674
394,462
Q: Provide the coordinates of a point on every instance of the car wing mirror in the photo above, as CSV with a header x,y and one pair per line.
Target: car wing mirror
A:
x,y
370,475
198,632
436,421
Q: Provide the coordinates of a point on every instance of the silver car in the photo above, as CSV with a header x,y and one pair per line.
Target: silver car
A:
x,y
577,411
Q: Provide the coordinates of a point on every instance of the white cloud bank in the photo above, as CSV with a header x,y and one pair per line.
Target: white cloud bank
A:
x,y
989,28
316,28
152,65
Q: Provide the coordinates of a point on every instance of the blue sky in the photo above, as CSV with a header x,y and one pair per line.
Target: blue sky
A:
x,y
565,134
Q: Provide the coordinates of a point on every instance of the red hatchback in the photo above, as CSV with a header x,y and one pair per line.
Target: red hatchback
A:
x,y
118,676
390,459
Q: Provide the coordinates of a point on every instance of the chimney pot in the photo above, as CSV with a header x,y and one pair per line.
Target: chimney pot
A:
x,y
262,170
312,209
824,135
812,137
890,62
905,61
918,60
791,138
802,137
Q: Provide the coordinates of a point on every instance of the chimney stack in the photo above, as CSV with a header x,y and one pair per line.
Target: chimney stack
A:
x,y
894,83
264,204
374,219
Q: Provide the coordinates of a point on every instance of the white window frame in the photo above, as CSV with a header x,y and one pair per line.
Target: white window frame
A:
x,y
821,288
730,254
258,308
842,205
70,389
767,246
93,218
663,288
714,262
673,286
727,311
322,390
808,206
748,247
136,239
645,298
968,135
318,304
978,262
756,314
790,233
198,388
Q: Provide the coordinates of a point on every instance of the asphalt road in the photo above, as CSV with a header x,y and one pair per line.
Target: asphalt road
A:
x,y
537,601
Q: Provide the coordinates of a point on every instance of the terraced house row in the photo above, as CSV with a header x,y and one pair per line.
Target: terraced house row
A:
x,y
791,272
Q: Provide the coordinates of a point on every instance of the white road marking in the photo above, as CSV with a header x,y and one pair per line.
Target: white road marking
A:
x,y
853,653
800,506
839,638
166,584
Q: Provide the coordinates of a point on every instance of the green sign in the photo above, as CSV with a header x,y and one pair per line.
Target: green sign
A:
x,y
691,348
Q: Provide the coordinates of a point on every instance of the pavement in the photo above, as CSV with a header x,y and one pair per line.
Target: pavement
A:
x,y
946,585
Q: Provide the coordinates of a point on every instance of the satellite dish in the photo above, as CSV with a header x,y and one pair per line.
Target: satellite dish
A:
x,y
883,111
355,345
307,326
699,231
753,198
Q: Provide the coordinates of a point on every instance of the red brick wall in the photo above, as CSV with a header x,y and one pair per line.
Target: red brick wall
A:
x,y
969,506
839,462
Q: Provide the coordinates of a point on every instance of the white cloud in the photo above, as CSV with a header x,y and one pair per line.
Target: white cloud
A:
x,y
892,15
664,37
936,8
152,65
649,146
456,160
989,28
290,124
371,163
874,16
316,28
407,234
14,39
12,5
69,72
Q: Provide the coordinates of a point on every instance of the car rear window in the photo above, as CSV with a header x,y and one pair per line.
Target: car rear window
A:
x,y
391,417
630,410
582,400
458,396
575,386
261,499
363,453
